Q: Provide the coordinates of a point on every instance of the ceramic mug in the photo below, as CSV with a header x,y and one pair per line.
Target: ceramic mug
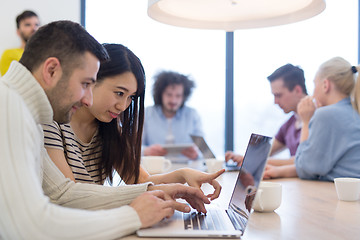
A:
x,y
214,165
347,189
268,197
155,164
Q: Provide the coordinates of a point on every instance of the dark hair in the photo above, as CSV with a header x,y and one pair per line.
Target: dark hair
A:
x,y
291,76
121,138
24,15
67,41
167,78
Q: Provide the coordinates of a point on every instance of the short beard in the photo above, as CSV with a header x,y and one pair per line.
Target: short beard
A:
x,y
56,96
170,111
23,37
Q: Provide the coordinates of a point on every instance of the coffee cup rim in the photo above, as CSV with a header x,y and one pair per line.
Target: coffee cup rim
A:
x,y
269,184
346,179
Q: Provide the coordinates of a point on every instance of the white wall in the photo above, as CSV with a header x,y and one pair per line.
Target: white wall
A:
x,y
47,10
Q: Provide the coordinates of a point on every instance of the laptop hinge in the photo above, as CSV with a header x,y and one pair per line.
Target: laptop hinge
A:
x,y
236,219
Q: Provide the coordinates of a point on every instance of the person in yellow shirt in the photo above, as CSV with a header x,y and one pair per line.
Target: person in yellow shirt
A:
x,y
27,23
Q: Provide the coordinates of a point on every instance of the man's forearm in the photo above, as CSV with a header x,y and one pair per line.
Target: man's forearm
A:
x,y
64,192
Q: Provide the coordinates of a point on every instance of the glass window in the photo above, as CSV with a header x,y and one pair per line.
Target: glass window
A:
x,y
201,54
259,52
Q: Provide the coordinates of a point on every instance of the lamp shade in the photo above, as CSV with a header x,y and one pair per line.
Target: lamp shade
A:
x,y
230,15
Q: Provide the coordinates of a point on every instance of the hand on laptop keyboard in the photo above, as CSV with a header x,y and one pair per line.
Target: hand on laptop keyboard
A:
x,y
199,221
152,207
194,196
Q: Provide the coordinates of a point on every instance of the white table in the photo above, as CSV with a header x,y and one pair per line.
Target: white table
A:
x,y
309,210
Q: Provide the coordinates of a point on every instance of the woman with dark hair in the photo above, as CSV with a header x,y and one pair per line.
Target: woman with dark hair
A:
x,y
106,136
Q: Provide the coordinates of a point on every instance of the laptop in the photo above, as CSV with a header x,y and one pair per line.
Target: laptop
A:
x,y
207,153
221,221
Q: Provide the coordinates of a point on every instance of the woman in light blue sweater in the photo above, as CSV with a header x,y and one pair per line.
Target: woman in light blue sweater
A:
x,y
330,136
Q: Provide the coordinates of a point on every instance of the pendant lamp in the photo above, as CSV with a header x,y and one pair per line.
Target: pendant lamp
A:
x,y
230,15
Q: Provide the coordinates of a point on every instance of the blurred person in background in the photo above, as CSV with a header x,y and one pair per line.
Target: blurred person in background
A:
x,y
288,87
169,120
27,23
330,136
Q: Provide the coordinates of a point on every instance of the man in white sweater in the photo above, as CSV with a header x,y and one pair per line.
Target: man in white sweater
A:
x,y
52,79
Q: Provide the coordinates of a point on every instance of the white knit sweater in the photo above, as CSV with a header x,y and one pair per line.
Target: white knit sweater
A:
x,y
31,186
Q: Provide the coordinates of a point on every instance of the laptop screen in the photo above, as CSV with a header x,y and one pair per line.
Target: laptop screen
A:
x,y
249,176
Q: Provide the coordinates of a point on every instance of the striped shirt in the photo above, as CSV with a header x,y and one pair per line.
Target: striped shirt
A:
x,y
83,158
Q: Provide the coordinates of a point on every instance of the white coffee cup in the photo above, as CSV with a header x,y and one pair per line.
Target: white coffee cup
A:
x,y
214,165
155,164
268,197
347,189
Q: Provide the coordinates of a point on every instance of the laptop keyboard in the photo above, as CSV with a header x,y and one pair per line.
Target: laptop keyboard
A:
x,y
198,221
